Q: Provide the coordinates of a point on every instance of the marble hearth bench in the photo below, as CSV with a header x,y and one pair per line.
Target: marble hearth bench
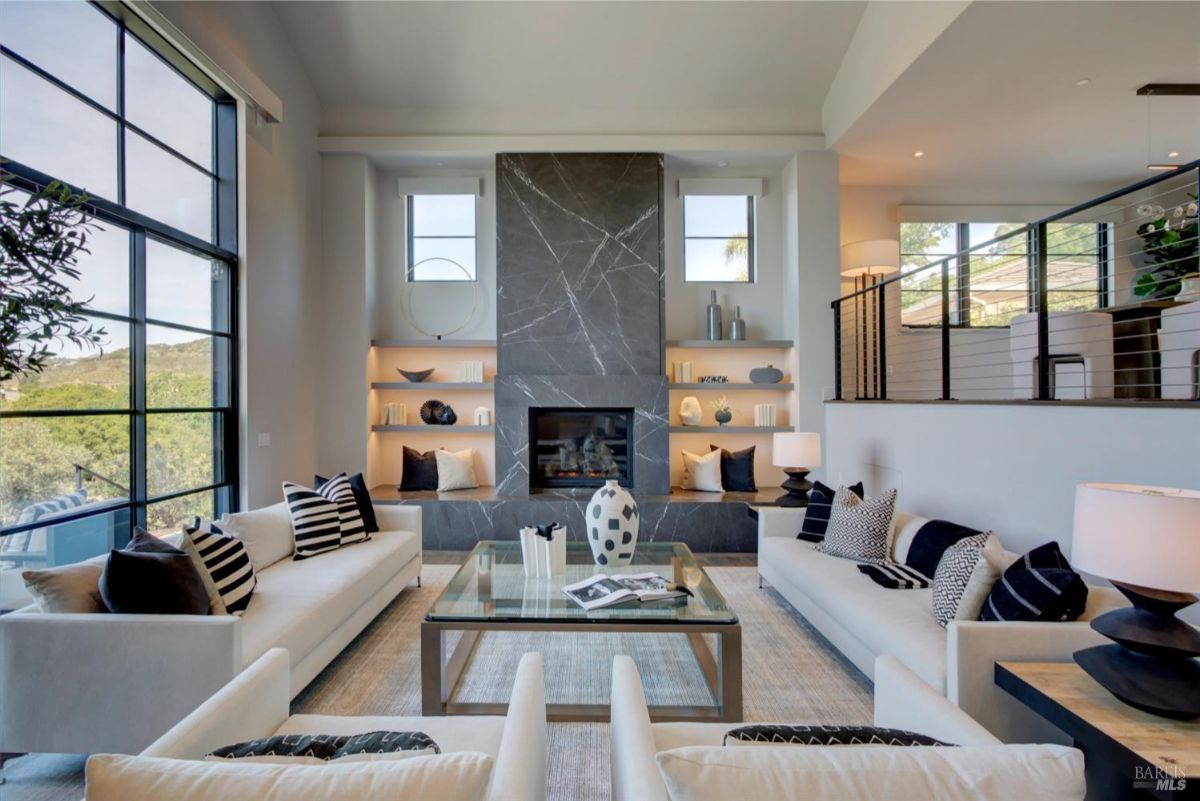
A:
x,y
708,522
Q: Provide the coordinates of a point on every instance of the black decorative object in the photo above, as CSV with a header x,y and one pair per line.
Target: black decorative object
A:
x,y
415,376
446,416
795,489
766,375
430,410
714,379
1152,667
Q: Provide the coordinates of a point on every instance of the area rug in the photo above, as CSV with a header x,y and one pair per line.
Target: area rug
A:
x,y
788,674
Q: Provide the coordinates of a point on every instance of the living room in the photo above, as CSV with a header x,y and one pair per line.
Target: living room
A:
x,y
524,384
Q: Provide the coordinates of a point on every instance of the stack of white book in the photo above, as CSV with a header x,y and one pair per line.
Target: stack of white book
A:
x,y
394,414
472,372
764,414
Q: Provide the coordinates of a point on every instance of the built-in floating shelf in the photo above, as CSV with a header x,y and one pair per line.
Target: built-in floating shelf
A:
x,y
730,343
481,386
729,429
733,387
438,429
433,343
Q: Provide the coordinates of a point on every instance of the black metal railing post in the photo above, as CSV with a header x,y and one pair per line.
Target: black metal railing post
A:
x,y
945,329
837,349
881,350
1040,282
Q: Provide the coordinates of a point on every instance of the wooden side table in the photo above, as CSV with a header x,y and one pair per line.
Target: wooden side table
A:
x,y
1130,754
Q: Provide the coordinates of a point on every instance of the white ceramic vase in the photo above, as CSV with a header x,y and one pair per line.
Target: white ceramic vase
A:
x,y
689,411
612,525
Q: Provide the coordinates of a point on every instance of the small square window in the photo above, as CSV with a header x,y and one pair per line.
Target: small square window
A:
x,y
441,238
718,238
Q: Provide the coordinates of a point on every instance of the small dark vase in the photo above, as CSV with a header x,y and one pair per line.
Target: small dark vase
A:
x,y
430,410
723,417
446,416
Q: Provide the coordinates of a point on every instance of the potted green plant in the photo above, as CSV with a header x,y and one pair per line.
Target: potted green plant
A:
x,y
1169,241
41,238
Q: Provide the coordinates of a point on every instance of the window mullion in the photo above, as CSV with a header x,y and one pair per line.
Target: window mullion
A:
x,y
121,195
137,364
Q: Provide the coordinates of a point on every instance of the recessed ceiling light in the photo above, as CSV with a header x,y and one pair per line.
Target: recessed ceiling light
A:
x,y
439,164
722,163
1174,154
919,154
1083,81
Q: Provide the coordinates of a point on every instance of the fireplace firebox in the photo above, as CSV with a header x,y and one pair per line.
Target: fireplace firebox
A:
x,y
580,447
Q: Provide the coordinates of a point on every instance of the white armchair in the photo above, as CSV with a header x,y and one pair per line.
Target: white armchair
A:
x,y
1081,355
255,705
1179,345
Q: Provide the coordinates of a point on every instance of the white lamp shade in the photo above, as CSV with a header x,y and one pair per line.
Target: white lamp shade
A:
x,y
796,449
1146,536
870,257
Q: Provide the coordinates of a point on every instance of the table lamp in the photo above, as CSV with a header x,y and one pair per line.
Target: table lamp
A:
x,y
1146,541
789,450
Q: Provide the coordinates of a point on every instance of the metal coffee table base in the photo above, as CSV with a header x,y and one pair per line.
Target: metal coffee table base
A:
x,y
722,670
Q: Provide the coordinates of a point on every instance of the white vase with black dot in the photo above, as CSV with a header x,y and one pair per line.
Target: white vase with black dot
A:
x,y
612,525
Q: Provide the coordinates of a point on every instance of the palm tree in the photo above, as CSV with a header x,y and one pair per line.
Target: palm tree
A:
x,y
737,249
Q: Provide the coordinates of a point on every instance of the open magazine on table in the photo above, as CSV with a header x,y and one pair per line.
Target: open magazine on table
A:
x,y
599,591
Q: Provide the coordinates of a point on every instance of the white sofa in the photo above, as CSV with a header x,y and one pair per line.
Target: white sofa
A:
x,y
255,705
86,683
982,768
864,620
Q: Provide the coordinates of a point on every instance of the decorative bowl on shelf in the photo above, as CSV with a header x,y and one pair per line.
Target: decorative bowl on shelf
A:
x,y
415,376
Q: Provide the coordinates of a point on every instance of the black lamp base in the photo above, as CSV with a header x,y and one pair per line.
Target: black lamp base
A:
x,y
1153,666
795,488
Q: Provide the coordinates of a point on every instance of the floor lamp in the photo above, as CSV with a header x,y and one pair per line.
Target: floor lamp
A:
x,y
865,263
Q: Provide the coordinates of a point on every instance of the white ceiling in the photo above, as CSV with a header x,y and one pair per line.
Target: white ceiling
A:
x,y
994,100
570,67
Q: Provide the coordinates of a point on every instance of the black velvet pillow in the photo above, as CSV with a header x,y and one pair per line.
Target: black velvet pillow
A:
x,y
779,734
931,541
737,470
420,471
1040,586
152,583
820,504
145,542
362,499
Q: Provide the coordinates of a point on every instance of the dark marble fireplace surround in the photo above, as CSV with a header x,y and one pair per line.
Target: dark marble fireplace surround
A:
x,y
580,323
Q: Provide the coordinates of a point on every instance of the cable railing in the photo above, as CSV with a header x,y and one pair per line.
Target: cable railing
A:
x,y
1097,303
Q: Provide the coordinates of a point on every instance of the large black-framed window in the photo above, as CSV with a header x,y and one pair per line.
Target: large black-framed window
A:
x,y
145,432
990,284
718,239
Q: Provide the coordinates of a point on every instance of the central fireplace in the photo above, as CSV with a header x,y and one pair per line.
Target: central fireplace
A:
x,y
580,447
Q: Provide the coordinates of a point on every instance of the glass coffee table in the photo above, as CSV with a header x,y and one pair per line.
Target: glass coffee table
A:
x,y
491,593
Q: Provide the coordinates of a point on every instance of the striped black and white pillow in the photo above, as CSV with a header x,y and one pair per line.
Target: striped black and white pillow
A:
x,y
323,519
895,576
1040,586
224,564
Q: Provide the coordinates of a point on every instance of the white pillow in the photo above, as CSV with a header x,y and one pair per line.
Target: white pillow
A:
x,y
702,471
267,533
459,776
456,470
820,772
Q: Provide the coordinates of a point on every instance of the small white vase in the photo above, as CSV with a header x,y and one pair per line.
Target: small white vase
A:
x,y
612,525
689,411
1189,290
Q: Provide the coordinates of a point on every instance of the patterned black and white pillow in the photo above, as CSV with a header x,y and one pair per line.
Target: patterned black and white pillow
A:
x,y
779,734
953,575
1040,586
328,747
859,528
323,519
223,562
820,506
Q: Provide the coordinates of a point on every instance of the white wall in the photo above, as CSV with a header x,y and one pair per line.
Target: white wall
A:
x,y
1009,468
435,303
280,235
762,301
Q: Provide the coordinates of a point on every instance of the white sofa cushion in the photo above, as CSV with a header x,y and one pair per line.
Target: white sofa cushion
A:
x,y
476,733
898,622
267,533
298,604
848,773
446,777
